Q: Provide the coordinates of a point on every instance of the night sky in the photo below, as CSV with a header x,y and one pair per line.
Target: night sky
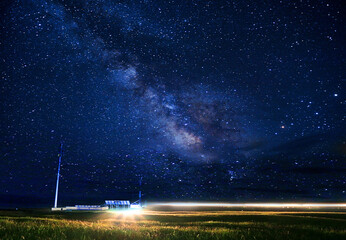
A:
x,y
206,100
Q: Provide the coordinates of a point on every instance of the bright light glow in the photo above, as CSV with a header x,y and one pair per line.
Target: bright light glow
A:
x,y
128,212
128,216
264,205
135,206
136,211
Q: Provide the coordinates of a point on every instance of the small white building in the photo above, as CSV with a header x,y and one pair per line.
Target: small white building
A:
x,y
113,204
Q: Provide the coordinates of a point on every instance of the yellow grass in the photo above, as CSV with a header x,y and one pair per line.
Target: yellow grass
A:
x,y
173,225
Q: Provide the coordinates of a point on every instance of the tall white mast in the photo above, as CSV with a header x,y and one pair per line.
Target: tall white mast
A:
x,y
57,179
140,193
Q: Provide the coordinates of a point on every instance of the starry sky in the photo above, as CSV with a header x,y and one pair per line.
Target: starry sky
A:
x,y
206,100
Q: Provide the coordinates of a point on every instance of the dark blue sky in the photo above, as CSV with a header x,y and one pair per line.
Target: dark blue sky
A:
x,y
206,100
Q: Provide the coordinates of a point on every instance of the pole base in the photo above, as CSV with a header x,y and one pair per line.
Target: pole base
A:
x,y
56,209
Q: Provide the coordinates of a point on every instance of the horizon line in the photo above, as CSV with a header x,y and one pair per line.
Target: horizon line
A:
x,y
268,204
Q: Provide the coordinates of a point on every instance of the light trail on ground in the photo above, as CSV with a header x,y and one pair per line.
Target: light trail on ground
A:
x,y
260,205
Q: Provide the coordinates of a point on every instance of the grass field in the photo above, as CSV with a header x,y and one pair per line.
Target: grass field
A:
x,y
149,224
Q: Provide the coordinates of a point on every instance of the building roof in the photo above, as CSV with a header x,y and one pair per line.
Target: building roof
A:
x,y
117,202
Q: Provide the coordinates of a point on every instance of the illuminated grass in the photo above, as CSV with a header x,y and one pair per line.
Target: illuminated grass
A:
x,y
172,225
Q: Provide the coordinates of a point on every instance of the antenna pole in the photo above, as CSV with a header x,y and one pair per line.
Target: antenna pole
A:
x,y
58,176
140,192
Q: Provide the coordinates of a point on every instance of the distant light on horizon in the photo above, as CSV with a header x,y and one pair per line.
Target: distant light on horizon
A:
x,y
126,213
273,205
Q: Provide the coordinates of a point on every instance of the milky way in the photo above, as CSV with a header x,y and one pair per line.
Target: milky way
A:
x,y
205,100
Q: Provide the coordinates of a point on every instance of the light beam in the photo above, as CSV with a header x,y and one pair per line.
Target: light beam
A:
x,y
260,205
